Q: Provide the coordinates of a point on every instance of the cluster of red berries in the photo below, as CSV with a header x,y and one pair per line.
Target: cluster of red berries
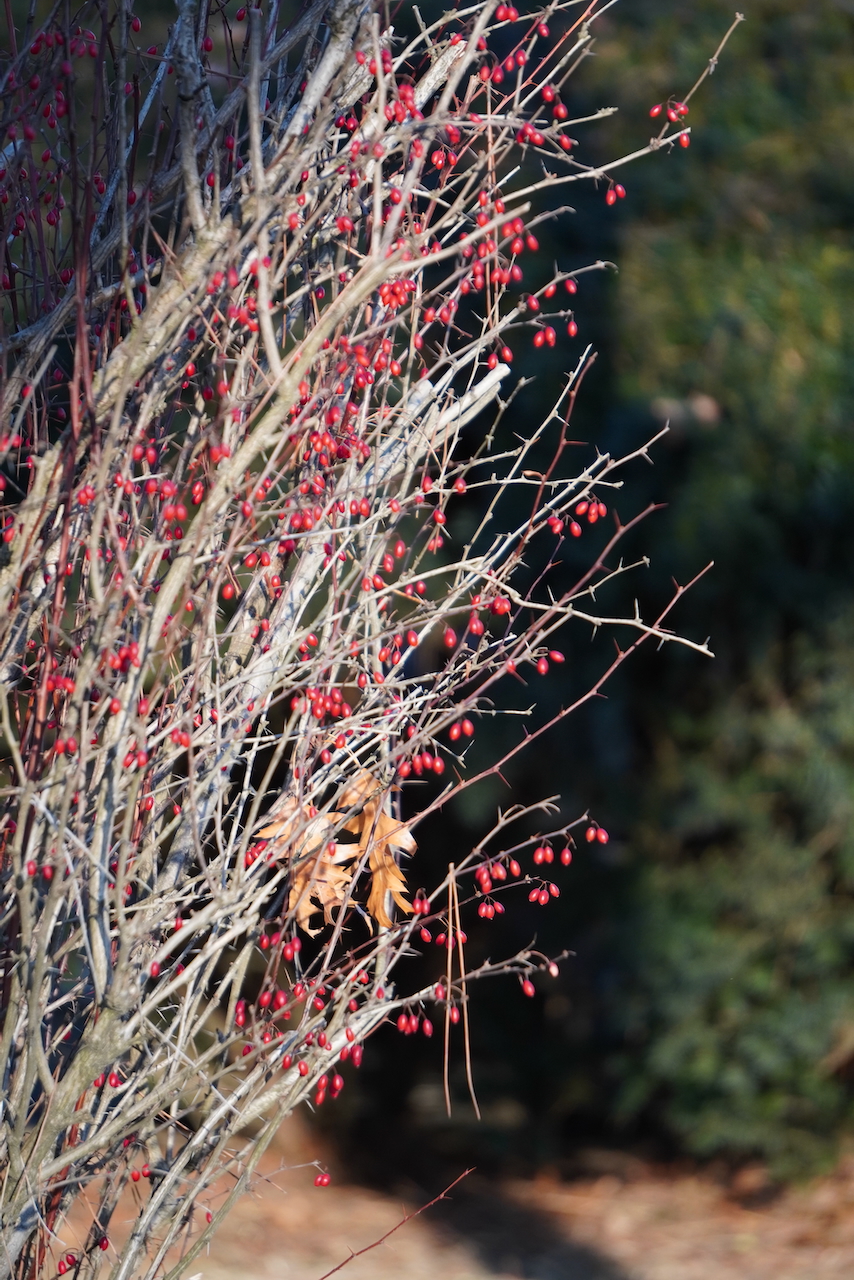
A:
x,y
420,763
595,832
408,1024
485,875
544,894
544,853
675,111
114,1080
324,1084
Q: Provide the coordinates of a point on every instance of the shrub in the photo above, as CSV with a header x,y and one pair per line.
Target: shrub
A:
x,y
260,290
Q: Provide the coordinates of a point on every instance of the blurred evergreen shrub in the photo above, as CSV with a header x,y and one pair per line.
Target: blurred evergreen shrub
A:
x,y
712,995
733,314
739,1019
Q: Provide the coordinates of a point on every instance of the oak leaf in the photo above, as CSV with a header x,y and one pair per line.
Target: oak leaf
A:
x,y
320,878
290,821
379,834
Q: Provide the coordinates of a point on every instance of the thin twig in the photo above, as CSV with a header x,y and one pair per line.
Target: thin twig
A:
x,y
443,1195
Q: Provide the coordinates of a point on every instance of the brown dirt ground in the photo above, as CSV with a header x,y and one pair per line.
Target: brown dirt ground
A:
x,y
633,1221
645,1223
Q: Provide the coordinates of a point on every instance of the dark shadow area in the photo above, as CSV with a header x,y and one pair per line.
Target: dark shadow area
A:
x,y
707,1007
511,1239
507,1236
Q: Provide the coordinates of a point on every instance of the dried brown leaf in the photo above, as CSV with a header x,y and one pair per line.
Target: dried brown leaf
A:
x,y
290,822
320,880
378,834
387,876
359,790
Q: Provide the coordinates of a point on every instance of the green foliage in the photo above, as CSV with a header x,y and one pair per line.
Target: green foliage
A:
x,y
711,997
743,1010
734,315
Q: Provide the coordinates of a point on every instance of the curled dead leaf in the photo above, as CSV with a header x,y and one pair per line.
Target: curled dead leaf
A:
x,y
320,878
289,822
378,834
359,790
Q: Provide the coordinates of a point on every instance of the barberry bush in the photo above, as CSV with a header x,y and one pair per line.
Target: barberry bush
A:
x,y
262,284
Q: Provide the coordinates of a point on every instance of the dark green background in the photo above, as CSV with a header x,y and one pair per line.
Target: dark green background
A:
x,y
710,1008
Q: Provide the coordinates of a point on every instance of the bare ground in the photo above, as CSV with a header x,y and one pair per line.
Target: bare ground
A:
x,y
641,1222
647,1224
